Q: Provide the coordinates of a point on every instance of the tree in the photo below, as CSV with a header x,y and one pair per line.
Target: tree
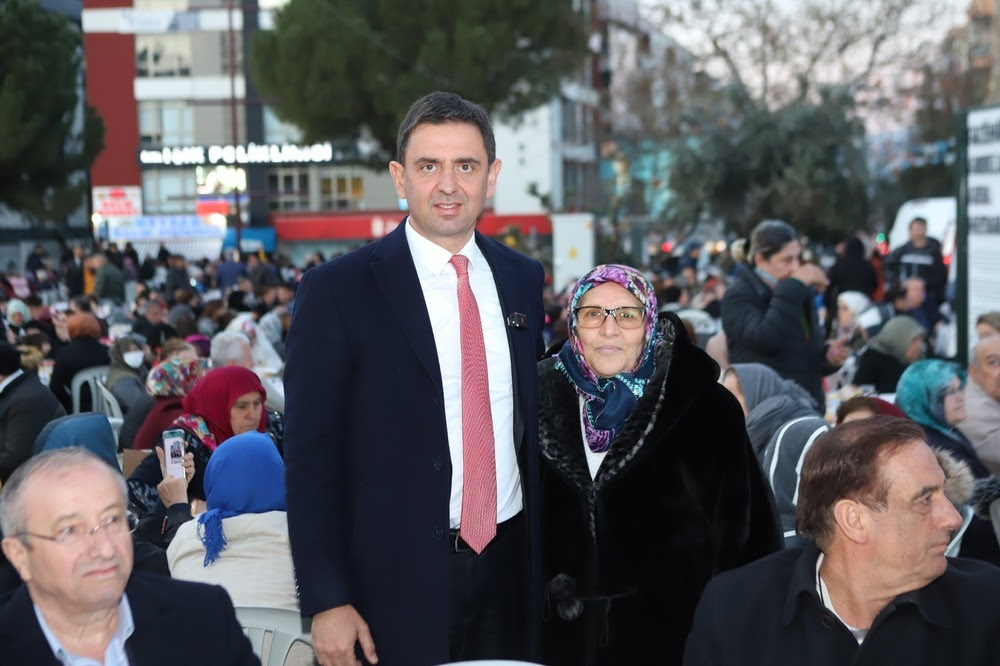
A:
x,y
802,163
784,52
337,66
45,146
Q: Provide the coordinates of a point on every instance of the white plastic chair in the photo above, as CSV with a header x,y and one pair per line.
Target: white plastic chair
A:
x,y
276,636
94,378
111,408
956,541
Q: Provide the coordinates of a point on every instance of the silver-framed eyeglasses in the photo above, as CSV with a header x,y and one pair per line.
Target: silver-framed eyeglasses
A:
x,y
593,316
76,534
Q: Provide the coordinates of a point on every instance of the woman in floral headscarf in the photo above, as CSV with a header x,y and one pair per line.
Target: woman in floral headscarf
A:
x,y
649,486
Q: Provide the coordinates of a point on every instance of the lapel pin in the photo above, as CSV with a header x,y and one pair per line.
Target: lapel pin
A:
x,y
517,320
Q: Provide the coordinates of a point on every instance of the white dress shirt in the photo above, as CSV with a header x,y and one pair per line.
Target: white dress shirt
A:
x,y
439,283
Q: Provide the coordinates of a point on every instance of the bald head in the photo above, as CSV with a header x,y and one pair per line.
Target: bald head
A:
x,y
985,367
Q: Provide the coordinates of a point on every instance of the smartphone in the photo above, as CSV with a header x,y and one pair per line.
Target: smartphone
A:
x,y
173,453
62,306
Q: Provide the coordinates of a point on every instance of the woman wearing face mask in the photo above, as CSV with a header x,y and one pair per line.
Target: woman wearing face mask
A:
x,y
649,485
127,372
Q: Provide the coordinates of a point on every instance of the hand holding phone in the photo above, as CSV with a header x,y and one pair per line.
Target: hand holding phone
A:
x,y
173,453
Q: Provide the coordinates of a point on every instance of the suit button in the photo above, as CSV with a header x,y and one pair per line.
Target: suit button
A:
x,y
438,533
439,464
827,621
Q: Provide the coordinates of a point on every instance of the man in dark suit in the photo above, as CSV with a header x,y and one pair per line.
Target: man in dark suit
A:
x,y
411,432
68,537
26,406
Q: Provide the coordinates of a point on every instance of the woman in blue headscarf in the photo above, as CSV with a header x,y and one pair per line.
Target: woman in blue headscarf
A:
x,y
241,541
649,485
932,393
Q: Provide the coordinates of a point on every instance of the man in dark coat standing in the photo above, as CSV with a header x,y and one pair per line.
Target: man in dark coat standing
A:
x,y
26,406
411,484
920,257
873,585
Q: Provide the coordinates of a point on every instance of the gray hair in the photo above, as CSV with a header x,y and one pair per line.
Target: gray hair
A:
x,y
13,516
227,346
438,108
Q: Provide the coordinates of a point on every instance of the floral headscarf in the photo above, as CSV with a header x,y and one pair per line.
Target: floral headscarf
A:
x,y
921,391
175,378
608,401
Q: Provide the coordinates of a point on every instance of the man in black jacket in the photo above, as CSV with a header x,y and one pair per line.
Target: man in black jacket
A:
x,y
67,534
873,585
920,257
26,406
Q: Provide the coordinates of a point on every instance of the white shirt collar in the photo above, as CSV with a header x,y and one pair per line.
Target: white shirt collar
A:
x,y
9,379
434,258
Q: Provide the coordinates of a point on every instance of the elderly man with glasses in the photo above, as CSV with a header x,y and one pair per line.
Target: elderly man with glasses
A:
x,y
68,534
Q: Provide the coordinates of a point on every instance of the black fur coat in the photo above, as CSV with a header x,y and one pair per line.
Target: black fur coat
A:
x,y
678,498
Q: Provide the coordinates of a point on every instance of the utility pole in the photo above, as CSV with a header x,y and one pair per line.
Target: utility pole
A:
x,y
234,133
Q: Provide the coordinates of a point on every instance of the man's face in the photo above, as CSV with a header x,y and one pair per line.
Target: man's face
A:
x,y
918,233
83,577
910,535
445,179
985,368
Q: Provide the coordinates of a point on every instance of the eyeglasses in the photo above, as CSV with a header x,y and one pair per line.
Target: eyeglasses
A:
x,y
76,534
593,316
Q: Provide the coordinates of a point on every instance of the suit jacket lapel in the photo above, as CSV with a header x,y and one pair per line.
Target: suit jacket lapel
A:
x,y
392,266
507,278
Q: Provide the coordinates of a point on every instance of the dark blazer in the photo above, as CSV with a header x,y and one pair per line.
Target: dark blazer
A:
x,y
78,354
779,328
769,613
26,406
176,622
366,446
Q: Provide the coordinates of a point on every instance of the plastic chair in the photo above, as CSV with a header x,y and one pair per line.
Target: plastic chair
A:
x,y
956,541
276,636
111,408
93,378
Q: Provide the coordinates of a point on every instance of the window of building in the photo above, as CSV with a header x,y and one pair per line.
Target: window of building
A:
x,y
166,124
169,191
162,55
288,188
341,189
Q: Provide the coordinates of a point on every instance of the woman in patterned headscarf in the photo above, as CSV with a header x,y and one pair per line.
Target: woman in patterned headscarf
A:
x,y
649,486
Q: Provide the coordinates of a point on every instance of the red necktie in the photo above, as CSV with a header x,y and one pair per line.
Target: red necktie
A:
x,y
479,467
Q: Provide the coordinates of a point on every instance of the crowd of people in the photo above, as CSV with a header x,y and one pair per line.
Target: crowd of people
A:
x,y
434,454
